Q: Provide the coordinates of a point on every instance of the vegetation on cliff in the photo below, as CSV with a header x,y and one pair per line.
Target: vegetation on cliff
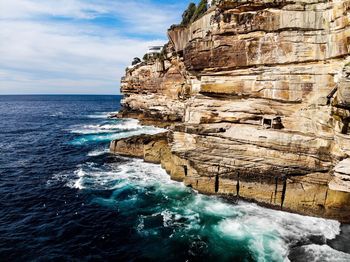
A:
x,y
193,12
257,101
188,14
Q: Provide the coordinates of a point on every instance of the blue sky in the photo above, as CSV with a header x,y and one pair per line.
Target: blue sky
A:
x,y
77,46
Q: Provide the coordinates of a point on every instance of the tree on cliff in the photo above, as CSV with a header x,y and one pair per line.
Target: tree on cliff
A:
x,y
193,12
200,10
188,14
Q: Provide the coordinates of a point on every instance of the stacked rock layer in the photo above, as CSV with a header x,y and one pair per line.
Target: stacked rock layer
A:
x,y
256,97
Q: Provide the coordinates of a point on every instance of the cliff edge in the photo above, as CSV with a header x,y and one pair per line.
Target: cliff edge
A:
x,y
256,98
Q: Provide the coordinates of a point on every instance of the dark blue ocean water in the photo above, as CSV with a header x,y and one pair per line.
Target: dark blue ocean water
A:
x,y
63,197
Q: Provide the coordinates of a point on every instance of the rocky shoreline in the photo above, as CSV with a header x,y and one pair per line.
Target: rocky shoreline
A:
x,y
256,99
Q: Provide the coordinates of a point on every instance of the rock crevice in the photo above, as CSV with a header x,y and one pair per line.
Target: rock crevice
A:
x,y
256,99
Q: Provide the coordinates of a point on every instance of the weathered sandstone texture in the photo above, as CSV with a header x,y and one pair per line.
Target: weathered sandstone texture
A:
x,y
256,97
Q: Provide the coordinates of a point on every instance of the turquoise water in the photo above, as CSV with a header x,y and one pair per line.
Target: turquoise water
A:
x,y
173,219
64,197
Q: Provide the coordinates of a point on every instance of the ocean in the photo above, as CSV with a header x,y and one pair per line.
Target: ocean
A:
x,y
64,197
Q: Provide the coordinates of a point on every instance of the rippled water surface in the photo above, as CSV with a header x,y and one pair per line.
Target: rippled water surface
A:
x,y
63,197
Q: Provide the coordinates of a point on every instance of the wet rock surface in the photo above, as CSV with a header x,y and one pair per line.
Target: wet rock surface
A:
x,y
255,95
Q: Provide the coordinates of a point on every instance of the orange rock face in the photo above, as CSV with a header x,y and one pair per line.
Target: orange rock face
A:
x,y
256,98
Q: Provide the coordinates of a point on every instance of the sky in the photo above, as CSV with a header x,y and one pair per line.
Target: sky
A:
x,y
77,46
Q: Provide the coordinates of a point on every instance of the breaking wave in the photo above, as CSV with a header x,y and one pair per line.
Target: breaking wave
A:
x,y
209,224
315,252
98,152
164,220
101,115
107,131
113,125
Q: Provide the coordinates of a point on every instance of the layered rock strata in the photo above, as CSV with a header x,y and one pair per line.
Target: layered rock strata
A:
x,y
256,97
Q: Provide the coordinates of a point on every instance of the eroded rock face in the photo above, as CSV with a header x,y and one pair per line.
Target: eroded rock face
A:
x,y
256,97
155,90
341,179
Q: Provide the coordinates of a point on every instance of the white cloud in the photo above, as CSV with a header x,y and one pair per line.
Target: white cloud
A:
x,y
58,47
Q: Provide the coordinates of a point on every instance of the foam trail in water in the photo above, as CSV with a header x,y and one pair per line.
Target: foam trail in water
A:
x,y
318,253
78,184
268,234
136,172
99,152
57,114
121,125
102,115
273,231
107,132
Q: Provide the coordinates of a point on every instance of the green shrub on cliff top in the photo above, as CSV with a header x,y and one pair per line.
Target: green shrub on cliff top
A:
x,y
146,57
193,12
188,14
201,9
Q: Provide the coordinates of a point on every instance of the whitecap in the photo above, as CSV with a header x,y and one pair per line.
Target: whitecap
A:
x,y
272,232
102,115
57,114
318,253
109,132
122,125
98,152
268,234
79,182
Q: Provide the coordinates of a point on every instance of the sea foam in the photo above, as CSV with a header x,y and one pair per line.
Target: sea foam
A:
x,y
121,125
110,131
268,234
212,223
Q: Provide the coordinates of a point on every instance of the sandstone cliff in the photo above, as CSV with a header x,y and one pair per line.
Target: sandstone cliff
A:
x,y
256,96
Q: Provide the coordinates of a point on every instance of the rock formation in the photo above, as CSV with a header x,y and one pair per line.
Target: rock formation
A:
x,y
256,97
